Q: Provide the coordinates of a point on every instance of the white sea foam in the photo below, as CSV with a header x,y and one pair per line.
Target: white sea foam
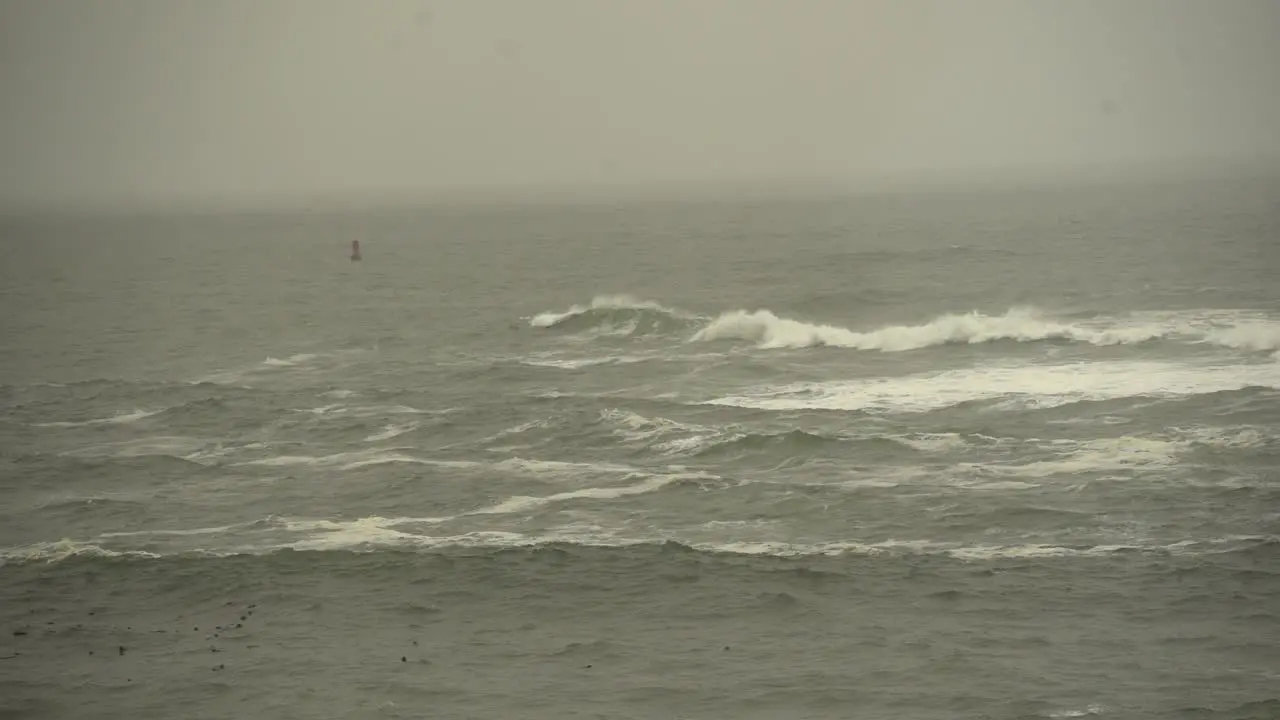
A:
x,y
324,409
366,411
1117,457
1083,712
346,460
561,468
220,450
187,532
584,362
1024,385
603,302
1235,437
177,446
666,436
391,431
768,330
272,365
120,419
1121,454
938,442
63,550
632,426
291,361
348,535
383,459
490,443
523,503
352,460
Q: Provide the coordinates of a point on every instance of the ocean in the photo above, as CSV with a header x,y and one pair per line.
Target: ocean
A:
x,y
989,454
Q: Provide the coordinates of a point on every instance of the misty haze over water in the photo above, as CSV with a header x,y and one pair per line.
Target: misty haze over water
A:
x,y
146,103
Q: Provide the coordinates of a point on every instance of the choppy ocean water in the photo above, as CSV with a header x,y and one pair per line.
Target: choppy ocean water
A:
x,y
1001,455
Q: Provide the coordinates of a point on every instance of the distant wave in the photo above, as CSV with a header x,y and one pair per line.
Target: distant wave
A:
x,y
626,315
616,314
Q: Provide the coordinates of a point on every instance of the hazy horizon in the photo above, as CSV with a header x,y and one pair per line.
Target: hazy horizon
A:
x,y
146,104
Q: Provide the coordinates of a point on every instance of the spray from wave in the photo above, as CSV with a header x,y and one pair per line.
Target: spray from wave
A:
x,y
1256,336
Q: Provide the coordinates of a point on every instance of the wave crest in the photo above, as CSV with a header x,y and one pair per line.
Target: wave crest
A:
x,y
629,316
621,314
1020,324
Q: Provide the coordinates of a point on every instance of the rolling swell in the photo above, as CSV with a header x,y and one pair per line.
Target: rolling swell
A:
x,y
680,431
106,404
800,443
113,390
57,470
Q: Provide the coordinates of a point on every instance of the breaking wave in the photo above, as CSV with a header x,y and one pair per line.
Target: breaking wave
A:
x,y
616,314
1258,336
626,315
768,330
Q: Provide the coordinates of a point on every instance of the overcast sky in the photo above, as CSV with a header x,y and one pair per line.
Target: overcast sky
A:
x,y
156,101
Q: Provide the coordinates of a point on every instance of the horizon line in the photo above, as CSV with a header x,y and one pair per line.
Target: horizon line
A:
x,y
674,190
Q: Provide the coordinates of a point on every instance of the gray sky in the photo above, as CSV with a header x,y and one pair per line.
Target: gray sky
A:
x,y
156,101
